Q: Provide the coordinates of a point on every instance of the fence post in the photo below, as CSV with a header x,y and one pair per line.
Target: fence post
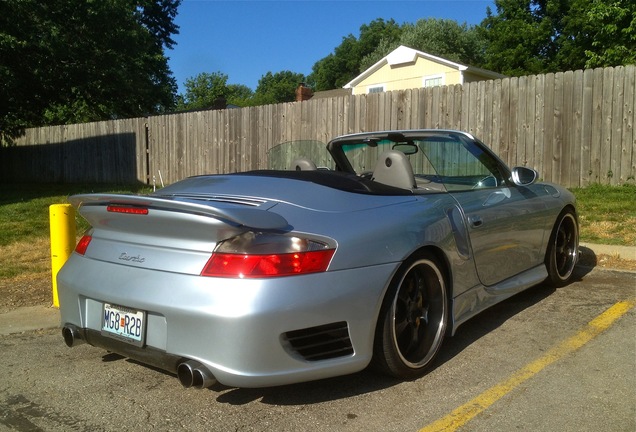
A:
x,y
62,224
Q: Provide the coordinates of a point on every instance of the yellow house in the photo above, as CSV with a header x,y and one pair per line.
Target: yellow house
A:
x,y
406,68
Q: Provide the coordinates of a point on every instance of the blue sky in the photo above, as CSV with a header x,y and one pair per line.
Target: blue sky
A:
x,y
245,39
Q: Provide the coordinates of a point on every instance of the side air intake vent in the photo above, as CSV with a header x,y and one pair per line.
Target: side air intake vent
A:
x,y
320,343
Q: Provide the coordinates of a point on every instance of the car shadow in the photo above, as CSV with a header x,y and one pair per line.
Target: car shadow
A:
x,y
587,261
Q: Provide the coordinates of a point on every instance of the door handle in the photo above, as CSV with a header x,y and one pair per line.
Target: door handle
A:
x,y
475,221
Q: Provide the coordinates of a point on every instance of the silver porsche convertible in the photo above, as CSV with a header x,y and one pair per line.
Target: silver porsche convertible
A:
x,y
367,251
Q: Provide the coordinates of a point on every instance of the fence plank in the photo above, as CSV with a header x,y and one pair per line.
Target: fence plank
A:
x,y
628,141
606,126
616,153
528,129
548,126
587,103
568,159
494,140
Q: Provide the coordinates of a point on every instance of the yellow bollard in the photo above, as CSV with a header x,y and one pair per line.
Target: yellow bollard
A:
x,y
62,220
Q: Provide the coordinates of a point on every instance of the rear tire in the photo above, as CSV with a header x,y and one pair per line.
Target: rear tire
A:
x,y
412,320
563,249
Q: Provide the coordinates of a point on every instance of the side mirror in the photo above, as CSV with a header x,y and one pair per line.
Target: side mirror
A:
x,y
522,176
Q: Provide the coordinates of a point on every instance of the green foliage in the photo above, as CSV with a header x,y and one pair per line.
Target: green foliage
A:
x,y
277,88
614,38
70,61
539,36
211,90
203,91
519,37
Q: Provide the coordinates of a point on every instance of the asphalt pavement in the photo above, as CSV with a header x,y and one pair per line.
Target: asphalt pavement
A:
x,y
42,317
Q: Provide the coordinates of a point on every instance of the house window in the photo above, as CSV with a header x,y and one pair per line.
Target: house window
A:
x,y
433,81
375,89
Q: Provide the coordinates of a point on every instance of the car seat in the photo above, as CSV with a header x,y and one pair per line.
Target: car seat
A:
x,y
303,164
394,169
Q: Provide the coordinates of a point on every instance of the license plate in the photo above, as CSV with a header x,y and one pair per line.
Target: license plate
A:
x,y
125,324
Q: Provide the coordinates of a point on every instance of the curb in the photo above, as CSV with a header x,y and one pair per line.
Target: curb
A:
x,y
33,318
29,318
624,252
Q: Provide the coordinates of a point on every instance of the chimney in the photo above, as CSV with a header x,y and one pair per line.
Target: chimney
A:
x,y
303,93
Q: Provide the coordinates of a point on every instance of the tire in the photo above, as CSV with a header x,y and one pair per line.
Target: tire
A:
x,y
563,249
412,320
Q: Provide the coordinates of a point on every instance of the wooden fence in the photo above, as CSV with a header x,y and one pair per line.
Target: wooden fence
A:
x,y
575,128
101,152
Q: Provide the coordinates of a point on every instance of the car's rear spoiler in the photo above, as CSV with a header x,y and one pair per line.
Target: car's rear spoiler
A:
x,y
255,218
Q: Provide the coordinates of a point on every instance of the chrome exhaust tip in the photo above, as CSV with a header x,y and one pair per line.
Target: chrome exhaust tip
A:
x,y
72,336
194,374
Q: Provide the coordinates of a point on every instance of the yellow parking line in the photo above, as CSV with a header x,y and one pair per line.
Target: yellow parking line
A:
x,y
468,411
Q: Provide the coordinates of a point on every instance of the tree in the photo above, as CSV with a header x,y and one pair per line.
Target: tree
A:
x,y
596,33
343,64
614,38
520,37
68,61
211,90
277,88
207,90
538,36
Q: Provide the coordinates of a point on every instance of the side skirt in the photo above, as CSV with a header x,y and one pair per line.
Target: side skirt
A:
x,y
480,298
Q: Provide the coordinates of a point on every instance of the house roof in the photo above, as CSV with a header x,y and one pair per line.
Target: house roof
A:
x,y
404,55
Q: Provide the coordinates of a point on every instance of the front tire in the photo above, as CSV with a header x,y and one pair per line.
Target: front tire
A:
x,y
563,249
412,320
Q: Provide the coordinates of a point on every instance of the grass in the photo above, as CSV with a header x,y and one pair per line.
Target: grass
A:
x,y
24,222
607,215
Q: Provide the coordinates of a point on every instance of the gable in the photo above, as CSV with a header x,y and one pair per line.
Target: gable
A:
x,y
408,75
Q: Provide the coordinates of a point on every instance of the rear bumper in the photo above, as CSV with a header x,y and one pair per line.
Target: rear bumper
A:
x,y
239,329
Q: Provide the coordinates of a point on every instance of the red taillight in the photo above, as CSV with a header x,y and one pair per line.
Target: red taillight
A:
x,y
127,210
82,245
273,265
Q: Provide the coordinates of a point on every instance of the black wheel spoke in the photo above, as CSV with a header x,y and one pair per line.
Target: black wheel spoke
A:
x,y
414,341
400,326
